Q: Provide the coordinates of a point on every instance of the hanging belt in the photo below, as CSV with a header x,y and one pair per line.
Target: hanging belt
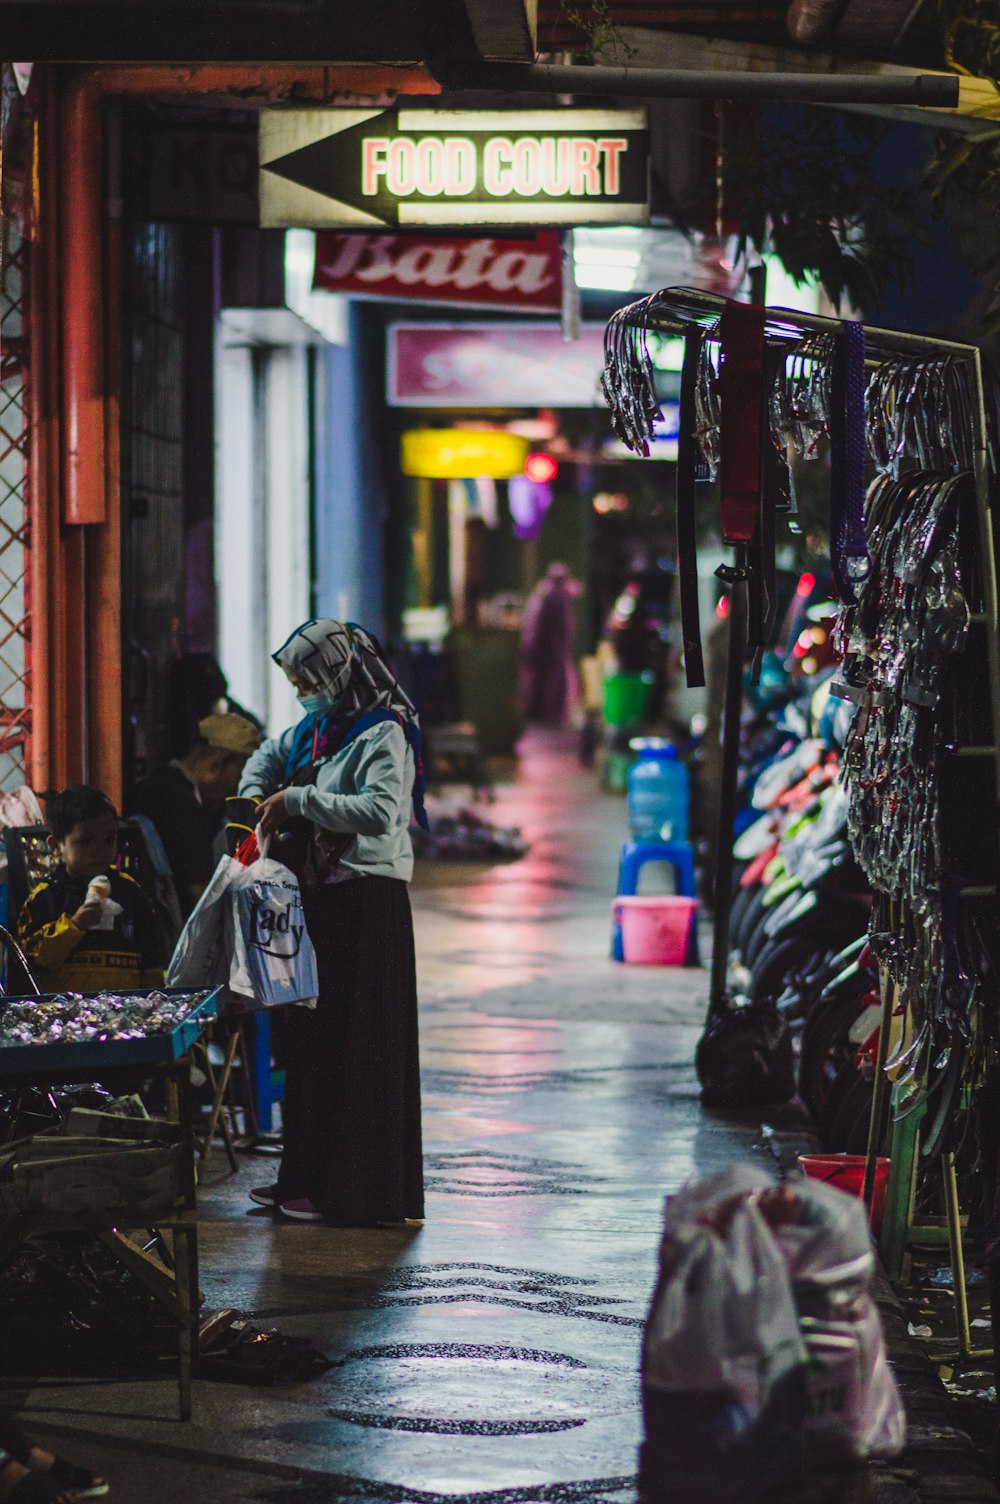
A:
x,y
849,554
742,387
687,542
763,596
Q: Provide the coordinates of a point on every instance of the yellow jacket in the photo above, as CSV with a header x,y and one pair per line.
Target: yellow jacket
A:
x,y
65,958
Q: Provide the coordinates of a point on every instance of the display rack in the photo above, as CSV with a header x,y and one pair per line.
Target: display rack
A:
x,y
683,312
124,1065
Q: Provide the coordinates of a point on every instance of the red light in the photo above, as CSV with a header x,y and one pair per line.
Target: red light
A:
x,y
806,585
540,467
722,609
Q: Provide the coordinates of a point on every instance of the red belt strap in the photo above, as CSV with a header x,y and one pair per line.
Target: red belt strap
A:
x,y
742,403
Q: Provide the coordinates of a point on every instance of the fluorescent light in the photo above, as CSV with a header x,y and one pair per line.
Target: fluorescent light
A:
x,y
606,234
667,353
611,278
608,259
598,255
784,292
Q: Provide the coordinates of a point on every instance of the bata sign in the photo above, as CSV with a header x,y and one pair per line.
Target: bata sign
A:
x,y
504,273
453,167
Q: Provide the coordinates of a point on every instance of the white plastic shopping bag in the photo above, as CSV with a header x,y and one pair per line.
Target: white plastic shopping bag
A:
x,y
723,1319
201,956
273,961
723,1359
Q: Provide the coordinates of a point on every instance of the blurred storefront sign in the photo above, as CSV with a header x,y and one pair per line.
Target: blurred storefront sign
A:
x,y
357,168
458,453
208,175
494,365
495,273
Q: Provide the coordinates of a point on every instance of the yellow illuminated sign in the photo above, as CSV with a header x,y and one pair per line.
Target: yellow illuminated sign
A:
x,y
462,454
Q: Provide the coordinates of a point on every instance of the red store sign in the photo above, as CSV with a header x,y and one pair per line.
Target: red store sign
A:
x,y
494,365
484,273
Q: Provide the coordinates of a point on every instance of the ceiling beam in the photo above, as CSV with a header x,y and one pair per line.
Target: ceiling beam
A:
x,y
503,30
903,86
978,99
210,31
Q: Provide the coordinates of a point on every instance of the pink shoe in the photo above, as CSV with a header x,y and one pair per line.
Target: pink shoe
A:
x,y
265,1195
302,1210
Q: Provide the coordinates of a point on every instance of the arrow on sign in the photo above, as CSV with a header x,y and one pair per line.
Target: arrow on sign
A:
x,y
423,166
332,167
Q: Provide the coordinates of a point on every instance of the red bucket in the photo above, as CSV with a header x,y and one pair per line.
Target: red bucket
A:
x,y
847,1173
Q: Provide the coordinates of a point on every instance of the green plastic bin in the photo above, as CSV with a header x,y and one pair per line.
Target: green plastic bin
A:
x,y
486,661
626,699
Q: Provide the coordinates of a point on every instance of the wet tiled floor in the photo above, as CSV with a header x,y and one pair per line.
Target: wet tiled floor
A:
x,y
491,1355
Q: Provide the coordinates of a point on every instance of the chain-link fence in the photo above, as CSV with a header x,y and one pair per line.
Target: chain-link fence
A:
x,y
15,656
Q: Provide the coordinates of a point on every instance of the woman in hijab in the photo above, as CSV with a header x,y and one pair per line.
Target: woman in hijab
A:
x,y
340,786
548,648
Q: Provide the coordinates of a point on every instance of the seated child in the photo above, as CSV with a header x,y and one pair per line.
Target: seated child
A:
x,y
57,926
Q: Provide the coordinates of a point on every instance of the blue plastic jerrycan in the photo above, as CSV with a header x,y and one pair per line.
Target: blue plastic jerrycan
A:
x,y
658,791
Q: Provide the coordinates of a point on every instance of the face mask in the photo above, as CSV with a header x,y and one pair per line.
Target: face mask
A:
x,y
320,703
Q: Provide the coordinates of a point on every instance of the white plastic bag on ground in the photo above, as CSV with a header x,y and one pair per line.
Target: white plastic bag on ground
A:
x,y
723,1318
273,958
723,1358
763,1350
855,1411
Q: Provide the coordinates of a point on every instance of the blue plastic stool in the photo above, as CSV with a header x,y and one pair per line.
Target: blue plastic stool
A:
x,y
677,854
635,855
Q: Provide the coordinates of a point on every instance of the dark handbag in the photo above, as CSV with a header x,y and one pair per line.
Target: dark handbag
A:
x,y
297,845
292,844
744,1058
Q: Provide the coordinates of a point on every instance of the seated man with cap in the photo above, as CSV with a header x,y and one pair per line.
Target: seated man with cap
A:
x,y
185,798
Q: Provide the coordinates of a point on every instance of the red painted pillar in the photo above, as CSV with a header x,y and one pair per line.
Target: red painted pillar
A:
x,y
55,564
81,433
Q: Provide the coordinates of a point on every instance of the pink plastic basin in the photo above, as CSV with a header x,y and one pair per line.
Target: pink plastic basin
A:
x,y
847,1173
656,931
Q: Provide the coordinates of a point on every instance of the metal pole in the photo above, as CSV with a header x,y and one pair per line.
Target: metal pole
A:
x,y
880,1092
682,306
732,715
957,1257
931,90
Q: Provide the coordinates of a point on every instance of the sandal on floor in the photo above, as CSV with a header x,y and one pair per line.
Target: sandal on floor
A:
x,y
34,1488
70,1478
67,1477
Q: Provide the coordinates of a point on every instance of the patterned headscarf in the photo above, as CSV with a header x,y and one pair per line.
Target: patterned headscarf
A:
x,y
346,662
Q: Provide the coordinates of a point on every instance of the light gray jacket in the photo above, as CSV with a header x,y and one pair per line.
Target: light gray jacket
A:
x,y
365,791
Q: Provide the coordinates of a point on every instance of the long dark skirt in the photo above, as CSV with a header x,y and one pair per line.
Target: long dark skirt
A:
x,y
352,1084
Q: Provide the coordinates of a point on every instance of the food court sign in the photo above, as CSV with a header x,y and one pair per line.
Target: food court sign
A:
x,y
344,167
